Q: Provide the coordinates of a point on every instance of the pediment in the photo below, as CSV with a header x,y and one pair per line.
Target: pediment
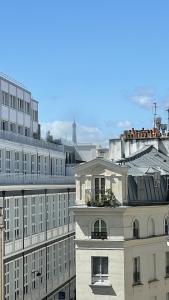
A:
x,y
100,166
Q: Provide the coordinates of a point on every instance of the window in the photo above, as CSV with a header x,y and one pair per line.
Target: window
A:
x,y
35,115
99,270
166,225
33,215
6,219
16,219
5,98
13,101
167,183
16,162
27,131
136,233
152,267
20,129
8,161
151,227
39,163
12,127
24,163
167,296
167,263
136,270
4,125
99,188
100,230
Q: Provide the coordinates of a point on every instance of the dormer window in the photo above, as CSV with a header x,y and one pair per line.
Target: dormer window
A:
x,y
99,230
136,233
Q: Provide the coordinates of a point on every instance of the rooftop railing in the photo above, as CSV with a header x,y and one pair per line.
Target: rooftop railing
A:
x,y
17,138
14,178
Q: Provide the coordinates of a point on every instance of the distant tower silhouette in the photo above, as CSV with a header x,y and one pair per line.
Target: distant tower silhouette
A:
x,y
74,139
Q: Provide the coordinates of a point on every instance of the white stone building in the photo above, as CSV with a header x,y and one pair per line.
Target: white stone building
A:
x,y
121,218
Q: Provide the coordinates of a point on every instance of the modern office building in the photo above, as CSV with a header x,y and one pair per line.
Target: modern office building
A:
x,y
122,219
36,223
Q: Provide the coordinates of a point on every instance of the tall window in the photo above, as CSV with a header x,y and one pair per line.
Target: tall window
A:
x,y
166,225
24,163
33,215
136,270
136,231
5,98
8,162
167,263
6,219
100,230
99,269
99,188
152,267
151,227
16,162
16,219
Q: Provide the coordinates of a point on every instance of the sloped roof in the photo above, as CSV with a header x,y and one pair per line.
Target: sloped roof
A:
x,y
146,161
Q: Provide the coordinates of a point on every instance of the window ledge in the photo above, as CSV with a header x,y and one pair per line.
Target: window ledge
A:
x,y
100,285
137,284
153,280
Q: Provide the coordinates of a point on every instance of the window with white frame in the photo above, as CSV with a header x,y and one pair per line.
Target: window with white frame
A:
x,y
99,270
41,214
13,103
7,276
136,270
32,164
45,164
99,190
5,98
16,162
55,263
16,279
99,230
6,219
8,161
33,214
33,270
25,217
38,163
25,275
16,219
53,212
24,163
60,257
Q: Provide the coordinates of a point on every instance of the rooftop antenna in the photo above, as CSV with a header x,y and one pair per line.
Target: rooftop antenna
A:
x,y
155,113
168,118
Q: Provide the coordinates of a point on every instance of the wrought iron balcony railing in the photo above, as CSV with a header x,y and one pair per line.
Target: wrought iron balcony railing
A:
x,y
99,235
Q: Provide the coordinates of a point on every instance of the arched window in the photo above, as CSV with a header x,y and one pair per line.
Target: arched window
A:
x,y
99,230
136,231
151,227
166,225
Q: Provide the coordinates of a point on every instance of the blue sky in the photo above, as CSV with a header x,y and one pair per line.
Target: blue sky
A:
x,y
103,62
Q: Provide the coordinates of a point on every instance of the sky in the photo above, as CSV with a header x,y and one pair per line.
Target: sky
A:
x,y
100,62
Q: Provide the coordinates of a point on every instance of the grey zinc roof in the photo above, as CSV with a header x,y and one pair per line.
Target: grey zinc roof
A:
x,y
146,161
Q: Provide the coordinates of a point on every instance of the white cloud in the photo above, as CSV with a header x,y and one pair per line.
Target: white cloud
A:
x,y
85,134
124,124
144,97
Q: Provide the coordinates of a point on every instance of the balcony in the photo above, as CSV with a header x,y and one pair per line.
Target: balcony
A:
x,y
16,138
15,178
99,235
101,198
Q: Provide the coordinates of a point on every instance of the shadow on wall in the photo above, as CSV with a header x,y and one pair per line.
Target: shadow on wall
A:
x,y
102,290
